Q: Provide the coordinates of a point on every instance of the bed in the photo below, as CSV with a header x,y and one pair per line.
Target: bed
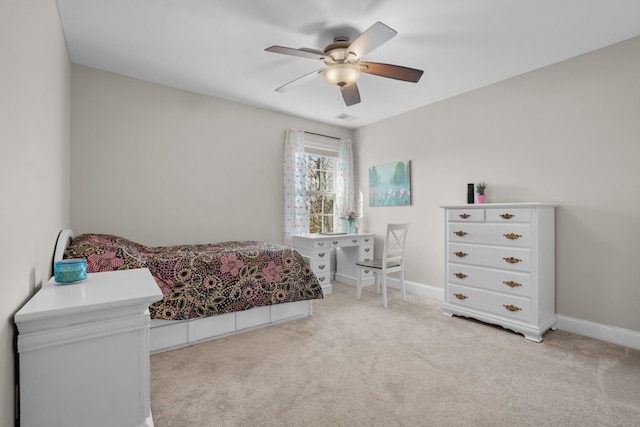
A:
x,y
209,290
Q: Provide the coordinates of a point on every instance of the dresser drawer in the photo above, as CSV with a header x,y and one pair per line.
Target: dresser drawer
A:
x,y
509,306
508,282
465,215
509,215
491,234
490,256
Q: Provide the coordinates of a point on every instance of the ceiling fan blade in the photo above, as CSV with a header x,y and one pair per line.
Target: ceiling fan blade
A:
x,y
392,71
350,94
300,80
302,52
374,37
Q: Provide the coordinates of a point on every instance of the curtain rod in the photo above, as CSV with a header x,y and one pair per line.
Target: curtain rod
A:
x,y
319,134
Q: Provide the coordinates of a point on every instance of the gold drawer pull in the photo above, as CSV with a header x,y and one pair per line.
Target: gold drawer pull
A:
x,y
511,307
512,236
460,254
335,242
367,259
507,216
460,233
366,272
355,240
366,240
512,260
512,284
321,266
320,243
321,254
367,250
460,296
321,278
464,216
460,275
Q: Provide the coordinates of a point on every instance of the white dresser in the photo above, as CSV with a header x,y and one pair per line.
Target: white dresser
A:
x,y
500,265
84,352
333,257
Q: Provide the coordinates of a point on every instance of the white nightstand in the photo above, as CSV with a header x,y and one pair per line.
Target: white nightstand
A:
x,y
84,352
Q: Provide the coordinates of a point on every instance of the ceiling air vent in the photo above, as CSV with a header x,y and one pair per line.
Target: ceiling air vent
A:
x,y
346,117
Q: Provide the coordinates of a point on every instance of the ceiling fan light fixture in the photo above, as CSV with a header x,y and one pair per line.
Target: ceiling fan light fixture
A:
x,y
341,74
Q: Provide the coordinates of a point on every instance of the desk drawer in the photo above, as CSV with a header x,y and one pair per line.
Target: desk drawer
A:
x,y
321,244
366,253
321,255
324,278
320,267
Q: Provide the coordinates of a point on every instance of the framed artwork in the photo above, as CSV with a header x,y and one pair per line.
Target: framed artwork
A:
x,y
390,184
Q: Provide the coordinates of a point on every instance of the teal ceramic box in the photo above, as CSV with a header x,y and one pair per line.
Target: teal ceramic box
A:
x,y
70,271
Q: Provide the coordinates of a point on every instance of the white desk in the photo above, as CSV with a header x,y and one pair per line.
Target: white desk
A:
x,y
333,257
84,352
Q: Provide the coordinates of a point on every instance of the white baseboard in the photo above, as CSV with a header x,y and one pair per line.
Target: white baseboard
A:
x,y
612,334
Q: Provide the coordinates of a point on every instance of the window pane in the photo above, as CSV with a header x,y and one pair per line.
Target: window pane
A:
x,y
315,224
329,183
328,223
329,164
314,205
328,204
313,178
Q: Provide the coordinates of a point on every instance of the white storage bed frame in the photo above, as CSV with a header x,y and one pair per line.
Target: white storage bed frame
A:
x,y
173,334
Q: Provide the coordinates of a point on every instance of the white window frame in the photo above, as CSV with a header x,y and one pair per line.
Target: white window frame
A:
x,y
325,147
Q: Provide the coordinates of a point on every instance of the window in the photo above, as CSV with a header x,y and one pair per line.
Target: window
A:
x,y
318,183
320,191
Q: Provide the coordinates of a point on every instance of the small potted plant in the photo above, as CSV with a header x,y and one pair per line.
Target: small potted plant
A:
x,y
480,188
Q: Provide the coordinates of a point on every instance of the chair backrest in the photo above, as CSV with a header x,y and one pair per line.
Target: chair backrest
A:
x,y
393,251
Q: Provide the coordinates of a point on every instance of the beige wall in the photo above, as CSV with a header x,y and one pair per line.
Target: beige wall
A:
x,y
163,166
34,164
568,133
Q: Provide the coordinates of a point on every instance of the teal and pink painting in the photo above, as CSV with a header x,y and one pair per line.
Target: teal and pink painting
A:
x,y
390,184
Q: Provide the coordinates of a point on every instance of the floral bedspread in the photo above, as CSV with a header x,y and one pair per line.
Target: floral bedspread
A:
x,y
205,280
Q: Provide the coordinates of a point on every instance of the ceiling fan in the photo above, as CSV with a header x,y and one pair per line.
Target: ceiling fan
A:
x,y
344,63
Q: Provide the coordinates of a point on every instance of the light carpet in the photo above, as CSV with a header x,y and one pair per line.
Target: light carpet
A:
x,y
355,363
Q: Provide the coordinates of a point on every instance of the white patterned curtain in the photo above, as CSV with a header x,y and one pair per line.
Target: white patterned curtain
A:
x,y
296,216
345,196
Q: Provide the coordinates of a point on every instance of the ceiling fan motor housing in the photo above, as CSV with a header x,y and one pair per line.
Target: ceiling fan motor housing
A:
x,y
339,71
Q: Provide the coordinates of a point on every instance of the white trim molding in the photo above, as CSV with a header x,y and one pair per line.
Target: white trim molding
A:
x,y
612,334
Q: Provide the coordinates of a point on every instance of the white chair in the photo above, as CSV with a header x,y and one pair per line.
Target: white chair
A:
x,y
392,261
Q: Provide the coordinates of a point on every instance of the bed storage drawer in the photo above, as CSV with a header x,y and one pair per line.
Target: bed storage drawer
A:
x,y
168,336
287,311
217,325
252,318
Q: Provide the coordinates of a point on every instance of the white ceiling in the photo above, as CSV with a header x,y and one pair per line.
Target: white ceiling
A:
x,y
216,47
